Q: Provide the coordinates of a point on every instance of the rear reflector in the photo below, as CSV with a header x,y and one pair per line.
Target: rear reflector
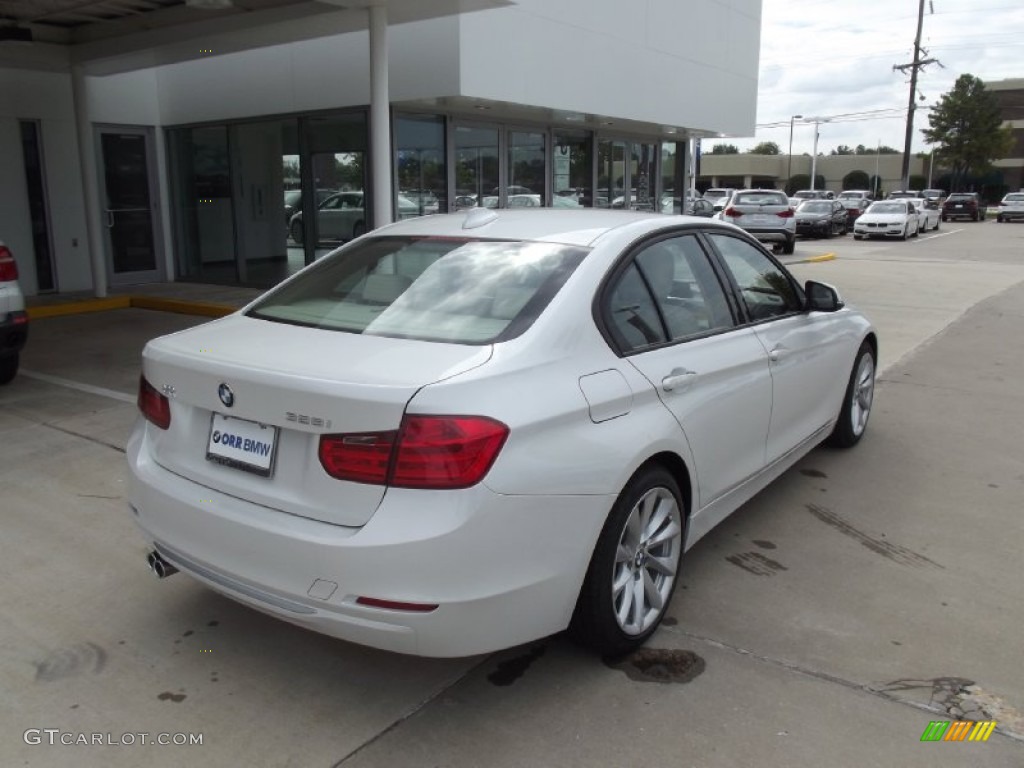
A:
x,y
154,406
394,605
8,266
426,452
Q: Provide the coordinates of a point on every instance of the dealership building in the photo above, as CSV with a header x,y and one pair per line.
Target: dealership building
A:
x,y
233,141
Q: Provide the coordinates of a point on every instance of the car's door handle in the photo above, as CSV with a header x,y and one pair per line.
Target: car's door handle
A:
x,y
777,353
678,379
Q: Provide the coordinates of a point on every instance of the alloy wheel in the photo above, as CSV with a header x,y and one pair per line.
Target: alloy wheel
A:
x,y
646,561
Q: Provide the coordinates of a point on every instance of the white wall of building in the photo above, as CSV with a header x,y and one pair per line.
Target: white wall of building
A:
x,y
676,63
320,74
45,97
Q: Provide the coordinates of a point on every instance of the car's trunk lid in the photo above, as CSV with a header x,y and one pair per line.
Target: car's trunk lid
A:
x,y
300,383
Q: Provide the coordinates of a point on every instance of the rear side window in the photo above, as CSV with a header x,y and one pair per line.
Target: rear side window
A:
x,y
455,290
760,198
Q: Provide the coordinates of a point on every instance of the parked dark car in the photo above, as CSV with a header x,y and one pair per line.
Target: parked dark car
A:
x,y
821,218
964,205
856,202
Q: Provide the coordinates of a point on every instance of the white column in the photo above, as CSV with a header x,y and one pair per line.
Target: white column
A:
x,y
814,156
748,181
380,122
94,219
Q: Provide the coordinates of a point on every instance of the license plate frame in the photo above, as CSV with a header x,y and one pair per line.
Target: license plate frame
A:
x,y
231,441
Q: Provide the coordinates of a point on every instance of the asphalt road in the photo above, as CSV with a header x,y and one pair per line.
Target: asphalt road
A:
x,y
826,623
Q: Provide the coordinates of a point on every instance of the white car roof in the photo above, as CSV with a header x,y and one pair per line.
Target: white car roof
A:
x,y
570,226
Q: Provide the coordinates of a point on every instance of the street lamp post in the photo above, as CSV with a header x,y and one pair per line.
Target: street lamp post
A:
x,y
814,153
789,169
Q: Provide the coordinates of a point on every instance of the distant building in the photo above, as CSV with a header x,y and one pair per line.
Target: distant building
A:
x,y
771,171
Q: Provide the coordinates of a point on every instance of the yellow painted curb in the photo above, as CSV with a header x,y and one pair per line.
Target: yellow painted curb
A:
x,y
201,308
79,307
823,257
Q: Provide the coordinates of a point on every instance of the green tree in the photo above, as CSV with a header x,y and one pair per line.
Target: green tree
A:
x,y
843,149
881,149
856,180
725,149
765,148
966,129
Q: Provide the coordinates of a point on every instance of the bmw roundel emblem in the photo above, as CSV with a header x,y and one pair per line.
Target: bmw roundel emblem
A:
x,y
226,395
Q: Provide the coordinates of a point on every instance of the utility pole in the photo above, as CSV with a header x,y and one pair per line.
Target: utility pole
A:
x,y
917,64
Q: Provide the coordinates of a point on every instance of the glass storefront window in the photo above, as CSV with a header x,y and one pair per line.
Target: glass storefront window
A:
x,y
202,195
420,166
671,201
476,167
572,183
642,173
526,169
611,174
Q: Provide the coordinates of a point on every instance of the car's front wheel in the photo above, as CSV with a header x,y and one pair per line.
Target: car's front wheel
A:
x,y
860,394
634,567
8,368
296,229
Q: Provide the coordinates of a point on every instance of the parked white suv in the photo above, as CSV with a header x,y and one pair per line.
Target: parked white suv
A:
x,y
13,318
764,213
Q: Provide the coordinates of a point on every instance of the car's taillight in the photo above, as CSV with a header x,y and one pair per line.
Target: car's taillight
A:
x,y
8,266
426,452
361,458
786,214
733,212
153,405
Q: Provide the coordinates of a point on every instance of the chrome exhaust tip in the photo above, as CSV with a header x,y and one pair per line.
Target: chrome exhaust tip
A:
x,y
160,567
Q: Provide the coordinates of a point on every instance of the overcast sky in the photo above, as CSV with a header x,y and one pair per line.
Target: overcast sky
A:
x,y
825,58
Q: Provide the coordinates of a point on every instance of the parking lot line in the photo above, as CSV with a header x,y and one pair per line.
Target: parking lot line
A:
x,y
935,236
77,385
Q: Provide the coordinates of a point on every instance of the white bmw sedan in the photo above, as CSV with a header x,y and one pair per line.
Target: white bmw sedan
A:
x,y
465,432
887,218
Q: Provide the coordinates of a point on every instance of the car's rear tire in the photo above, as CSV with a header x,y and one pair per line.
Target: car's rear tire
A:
x,y
634,567
856,408
8,368
296,230
358,229
789,246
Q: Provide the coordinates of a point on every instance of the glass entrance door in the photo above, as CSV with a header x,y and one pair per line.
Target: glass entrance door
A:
x,y
133,247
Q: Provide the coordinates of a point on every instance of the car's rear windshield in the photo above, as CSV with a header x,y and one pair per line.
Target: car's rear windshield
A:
x,y
1014,197
961,196
760,198
816,206
888,208
455,290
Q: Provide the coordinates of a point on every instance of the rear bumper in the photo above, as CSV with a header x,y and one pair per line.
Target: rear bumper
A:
x,y
13,332
1012,214
502,570
772,235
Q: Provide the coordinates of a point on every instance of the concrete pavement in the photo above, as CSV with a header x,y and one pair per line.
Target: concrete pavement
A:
x,y
863,595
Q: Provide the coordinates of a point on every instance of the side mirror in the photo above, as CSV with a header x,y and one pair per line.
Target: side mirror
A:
x,y
821,297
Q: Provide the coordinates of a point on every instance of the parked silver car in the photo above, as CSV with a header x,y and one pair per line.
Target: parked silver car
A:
x,y
764,213
1011,208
